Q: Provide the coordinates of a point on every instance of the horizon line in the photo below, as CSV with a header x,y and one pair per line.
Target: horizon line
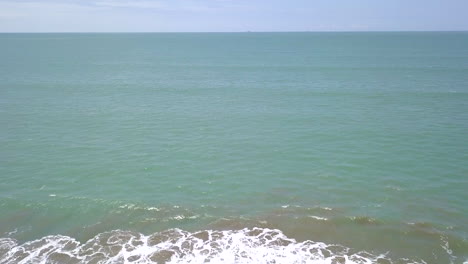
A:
x,y
246,31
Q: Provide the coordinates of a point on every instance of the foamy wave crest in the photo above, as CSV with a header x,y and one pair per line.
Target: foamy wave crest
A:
x,y
255,245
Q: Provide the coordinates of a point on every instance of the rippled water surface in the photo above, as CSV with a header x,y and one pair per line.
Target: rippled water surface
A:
x,y
240,147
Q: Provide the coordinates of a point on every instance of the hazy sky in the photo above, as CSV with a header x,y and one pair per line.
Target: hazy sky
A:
x,y
231,15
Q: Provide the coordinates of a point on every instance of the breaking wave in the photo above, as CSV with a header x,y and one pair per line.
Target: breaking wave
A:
x,y
249,245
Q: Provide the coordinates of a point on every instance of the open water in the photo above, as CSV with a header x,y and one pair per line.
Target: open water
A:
x,y
234,148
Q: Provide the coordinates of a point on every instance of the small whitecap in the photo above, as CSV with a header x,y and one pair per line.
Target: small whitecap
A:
x,y
318,218
12,232
179,217
128,206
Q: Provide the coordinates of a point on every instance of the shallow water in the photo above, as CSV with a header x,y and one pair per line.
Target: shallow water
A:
x,y
353,139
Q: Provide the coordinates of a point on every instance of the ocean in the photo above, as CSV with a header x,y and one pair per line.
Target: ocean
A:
x,y
234,148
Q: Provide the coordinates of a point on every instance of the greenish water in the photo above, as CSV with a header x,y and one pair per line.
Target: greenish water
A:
x,y
357,139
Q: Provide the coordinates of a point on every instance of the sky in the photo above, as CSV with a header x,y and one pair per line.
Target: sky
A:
x,y
231,15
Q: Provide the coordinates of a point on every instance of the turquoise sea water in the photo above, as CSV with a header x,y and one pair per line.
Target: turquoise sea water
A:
x,y
351,139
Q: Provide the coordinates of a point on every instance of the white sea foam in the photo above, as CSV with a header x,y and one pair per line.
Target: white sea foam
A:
x,y
446,246
318,217
255,245
136,207
12,232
